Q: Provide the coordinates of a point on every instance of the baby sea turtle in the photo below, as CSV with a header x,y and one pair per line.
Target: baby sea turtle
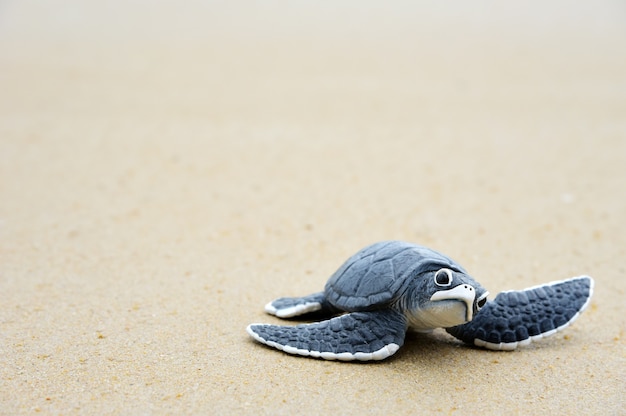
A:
x,y
391,286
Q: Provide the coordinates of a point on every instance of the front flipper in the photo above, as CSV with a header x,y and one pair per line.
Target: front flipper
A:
x,y
362,336
516,318
291,307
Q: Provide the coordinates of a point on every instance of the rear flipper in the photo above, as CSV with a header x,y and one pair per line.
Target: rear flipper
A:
x,y
291,307
516,318
362,336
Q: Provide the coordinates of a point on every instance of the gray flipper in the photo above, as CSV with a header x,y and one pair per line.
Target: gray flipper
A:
x,y
290,307
515,318
362,336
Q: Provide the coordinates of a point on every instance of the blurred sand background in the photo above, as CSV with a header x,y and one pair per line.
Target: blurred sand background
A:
x,y
166,168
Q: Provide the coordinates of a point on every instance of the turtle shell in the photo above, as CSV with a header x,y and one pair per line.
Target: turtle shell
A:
x,y
376,275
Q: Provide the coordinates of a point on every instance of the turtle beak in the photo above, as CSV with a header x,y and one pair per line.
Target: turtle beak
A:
x,y
464,293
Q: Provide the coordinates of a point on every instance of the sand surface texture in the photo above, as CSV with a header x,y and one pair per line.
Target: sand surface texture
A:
x,y
167,168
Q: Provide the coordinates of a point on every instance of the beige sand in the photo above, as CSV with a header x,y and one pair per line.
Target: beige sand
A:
x,y
165,170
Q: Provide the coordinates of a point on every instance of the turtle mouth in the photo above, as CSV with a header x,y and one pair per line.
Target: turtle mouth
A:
x,y
462,293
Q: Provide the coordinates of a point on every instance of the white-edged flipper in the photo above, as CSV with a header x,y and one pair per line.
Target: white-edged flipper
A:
x,y
362,336
292,307
515,318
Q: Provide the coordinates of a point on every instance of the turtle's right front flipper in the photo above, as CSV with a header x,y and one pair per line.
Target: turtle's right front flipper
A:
x,y
516,318
362,336
291,307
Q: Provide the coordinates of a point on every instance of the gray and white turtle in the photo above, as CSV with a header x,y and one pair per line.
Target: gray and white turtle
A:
x,y
392,286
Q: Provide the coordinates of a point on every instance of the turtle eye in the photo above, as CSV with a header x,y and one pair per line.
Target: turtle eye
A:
x,y
482,301
443,277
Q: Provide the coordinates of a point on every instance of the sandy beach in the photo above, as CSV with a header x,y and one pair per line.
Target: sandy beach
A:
x,y
166,170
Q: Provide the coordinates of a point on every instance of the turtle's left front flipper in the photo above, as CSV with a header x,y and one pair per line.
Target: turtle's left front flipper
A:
x,y
362,336
516,318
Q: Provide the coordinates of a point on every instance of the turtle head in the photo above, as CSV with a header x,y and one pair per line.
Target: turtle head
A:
x,y
443,298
